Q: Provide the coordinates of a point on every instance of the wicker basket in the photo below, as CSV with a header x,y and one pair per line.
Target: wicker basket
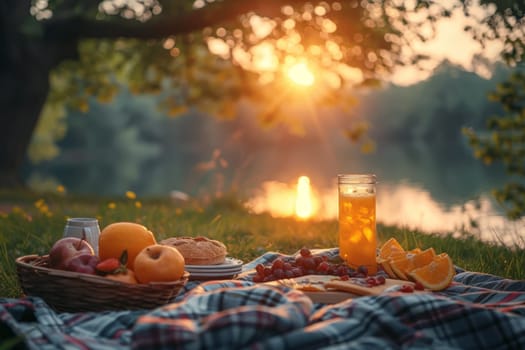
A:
x,y
67,291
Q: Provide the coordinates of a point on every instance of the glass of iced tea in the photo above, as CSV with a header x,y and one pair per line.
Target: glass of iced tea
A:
x,y
357,220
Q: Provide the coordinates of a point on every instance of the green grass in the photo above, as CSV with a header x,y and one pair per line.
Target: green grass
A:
x,y
31,223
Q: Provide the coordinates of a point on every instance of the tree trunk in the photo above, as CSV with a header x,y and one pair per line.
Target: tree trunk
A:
x,y
25,64
23,91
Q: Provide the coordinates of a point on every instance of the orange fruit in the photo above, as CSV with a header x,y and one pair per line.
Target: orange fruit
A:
x,y
120,236
159,263
390,247
403,265
127,277
437,275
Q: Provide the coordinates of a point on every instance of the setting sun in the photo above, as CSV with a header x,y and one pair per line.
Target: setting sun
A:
x,y
303,200
300,74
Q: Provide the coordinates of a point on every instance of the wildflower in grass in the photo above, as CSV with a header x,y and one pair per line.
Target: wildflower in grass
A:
x,y
17,210
138,204
131,195
39,203
178,211
112,205
43,208
61,189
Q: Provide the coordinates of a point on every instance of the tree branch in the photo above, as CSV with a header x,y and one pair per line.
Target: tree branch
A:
x,y
216,13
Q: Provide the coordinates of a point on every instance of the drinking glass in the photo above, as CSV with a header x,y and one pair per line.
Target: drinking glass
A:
x,y
357,220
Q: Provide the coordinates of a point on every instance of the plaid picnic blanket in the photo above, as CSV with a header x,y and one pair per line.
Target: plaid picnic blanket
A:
x,y
478,311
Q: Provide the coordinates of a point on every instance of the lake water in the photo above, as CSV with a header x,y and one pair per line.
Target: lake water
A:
x,y
419,187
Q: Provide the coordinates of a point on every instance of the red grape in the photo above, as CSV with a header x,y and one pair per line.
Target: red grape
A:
x,y
297,272
406,288
278,273
305,252
371,281
418,286
363,270
258,278
323,266
309,263
277,264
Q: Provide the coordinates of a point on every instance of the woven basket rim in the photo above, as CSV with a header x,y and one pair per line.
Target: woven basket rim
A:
x,y
24,262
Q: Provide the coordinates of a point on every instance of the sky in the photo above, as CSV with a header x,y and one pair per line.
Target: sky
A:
x,y
452,43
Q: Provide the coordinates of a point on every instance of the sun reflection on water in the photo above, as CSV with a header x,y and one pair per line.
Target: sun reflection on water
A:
x,y
402,205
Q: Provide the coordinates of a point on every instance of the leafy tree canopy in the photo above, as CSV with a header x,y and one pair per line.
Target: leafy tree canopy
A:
x,y
211,54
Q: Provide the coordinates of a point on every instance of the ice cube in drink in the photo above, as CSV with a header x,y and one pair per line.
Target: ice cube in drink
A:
x,y
357,229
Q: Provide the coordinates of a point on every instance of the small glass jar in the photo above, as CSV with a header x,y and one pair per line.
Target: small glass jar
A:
x,y
77,227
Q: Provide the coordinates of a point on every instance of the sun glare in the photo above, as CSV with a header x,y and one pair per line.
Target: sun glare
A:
x,y
300,74
303,199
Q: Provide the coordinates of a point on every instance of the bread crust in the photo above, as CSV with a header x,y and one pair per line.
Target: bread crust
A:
x,y
198,250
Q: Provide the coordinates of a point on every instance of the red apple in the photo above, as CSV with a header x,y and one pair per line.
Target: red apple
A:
x,y
84,263
66,248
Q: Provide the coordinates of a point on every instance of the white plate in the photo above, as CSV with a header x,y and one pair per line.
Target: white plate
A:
x,y
216,271
211,277
212,274
228,265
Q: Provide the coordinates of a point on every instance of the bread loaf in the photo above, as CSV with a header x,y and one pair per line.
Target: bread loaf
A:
x,y
198,250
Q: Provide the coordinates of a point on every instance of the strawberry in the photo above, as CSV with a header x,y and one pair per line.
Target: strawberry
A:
x,y
113,265
108,265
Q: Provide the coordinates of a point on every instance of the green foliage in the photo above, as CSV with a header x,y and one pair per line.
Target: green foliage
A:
x,y
504,24
51,128
504,141
504,138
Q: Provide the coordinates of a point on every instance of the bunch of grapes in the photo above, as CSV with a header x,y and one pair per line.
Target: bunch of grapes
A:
x,y
305,264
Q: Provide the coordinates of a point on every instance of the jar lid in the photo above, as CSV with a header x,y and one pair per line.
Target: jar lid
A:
x,y
356,178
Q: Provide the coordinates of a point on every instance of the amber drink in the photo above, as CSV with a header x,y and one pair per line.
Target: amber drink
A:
x,y
357,220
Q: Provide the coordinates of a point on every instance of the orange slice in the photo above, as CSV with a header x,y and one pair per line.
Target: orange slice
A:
x,y
389,247
437,275
385,264
403,265
399,265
